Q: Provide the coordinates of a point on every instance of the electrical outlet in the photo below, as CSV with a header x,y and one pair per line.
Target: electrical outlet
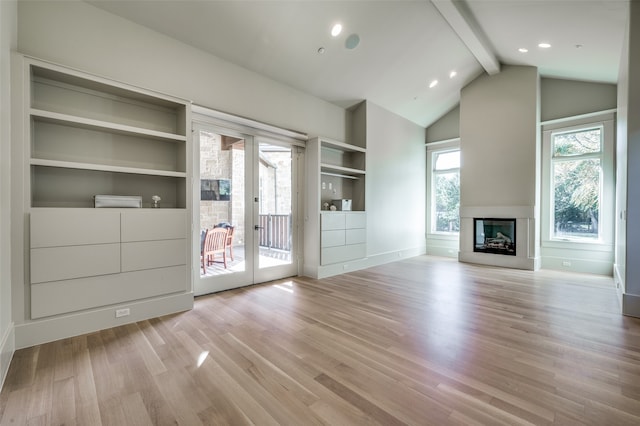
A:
x,y
122,312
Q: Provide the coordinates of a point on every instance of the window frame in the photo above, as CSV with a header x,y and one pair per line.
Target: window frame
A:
x,y
606,219
599,155
433,150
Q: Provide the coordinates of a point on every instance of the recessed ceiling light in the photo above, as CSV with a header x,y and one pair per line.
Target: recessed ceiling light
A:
x,y
321,50
336,30
433,84
452,74
523,50
544,45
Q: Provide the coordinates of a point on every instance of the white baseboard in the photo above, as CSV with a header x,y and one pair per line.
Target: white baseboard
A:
x,y
7,348
62,326
631,305
326,271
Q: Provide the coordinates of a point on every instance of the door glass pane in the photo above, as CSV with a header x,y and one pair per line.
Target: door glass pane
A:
x,y
222,189
275,192
576,198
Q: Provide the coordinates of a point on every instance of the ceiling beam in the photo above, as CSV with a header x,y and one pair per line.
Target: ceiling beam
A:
x,y
460,19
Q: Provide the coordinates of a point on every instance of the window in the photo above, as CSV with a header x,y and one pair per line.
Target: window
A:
x,y
578,185
576,176
445,191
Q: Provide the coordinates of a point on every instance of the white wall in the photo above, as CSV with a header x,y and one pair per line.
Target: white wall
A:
x,y
396,186
446,127
631,297
567,98
8,37
619,267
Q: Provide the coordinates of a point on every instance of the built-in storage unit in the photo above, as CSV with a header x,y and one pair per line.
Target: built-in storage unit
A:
x,y
343,236
335,171
87,136
87,258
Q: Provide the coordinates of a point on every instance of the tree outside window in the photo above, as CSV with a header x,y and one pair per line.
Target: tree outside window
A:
x,y
577,183
446,192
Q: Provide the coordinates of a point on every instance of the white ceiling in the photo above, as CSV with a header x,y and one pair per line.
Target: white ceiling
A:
x,y
404,45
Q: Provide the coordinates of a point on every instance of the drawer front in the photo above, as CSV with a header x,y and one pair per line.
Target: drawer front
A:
x,y
68,227
153,254
356,220
154,224
73,295
356,236
63,263
332,221
332,238
342,253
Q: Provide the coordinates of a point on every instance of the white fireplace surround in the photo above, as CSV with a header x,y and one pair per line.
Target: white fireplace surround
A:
x,y
527,243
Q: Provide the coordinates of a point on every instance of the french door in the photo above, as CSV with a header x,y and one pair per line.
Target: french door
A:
x,y
248,185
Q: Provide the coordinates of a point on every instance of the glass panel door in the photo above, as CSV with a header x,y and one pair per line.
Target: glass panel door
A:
x,y
275,222
246,190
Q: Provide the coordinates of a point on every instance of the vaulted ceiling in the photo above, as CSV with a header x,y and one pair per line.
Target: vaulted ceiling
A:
x,y
403,46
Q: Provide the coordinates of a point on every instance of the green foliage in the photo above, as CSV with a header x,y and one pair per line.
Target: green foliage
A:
x,y
447,187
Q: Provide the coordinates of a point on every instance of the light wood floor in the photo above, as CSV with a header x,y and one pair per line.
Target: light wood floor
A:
x,y
424,341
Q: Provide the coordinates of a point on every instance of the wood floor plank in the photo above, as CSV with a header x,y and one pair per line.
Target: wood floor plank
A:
x,y
422,341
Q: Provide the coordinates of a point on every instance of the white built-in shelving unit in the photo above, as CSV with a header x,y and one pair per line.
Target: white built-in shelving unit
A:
x,y
85,136
335,170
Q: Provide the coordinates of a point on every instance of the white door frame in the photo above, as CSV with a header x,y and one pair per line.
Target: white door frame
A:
x,y
253,133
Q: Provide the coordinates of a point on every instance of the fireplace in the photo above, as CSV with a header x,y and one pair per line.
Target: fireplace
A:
x,y
493,235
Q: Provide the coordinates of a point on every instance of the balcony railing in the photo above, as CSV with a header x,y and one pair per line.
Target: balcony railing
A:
x,y
275,231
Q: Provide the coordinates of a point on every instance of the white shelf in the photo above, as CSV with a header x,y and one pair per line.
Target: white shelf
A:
x,y
340,171
88,123
339,175
341,146
105,168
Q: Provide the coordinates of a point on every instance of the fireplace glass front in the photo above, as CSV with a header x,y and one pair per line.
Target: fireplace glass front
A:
x,y
497,236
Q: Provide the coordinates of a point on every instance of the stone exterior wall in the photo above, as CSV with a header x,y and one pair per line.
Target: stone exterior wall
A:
x,y
216,163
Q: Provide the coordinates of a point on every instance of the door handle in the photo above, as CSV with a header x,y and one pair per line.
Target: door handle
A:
x,y
257,227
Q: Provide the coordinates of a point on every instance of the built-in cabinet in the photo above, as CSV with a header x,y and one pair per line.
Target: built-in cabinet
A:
x,y
335,171
343,236
87,258
88,136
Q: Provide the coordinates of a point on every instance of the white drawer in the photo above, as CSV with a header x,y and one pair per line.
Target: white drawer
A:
x,y
73,295
153,224
332,238
356,220
63,263
355,236
342,253
330,221
71,227
153,254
